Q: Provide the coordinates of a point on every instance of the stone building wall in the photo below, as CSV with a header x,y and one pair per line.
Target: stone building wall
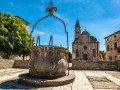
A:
x,y
102,55
20,64
10,63
6,64
111,51
95,65
119,65
26,23
76,64
88,51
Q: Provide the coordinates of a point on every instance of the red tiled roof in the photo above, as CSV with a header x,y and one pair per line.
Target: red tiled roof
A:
x,y
22,19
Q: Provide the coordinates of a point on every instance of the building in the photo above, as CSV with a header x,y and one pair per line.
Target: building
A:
x,y
102,55
112,43
85,46
26,23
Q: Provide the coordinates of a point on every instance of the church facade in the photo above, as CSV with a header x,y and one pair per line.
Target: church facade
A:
x,y
84,46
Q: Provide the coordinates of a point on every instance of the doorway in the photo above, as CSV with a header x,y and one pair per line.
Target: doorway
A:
x,y
110,58
85,57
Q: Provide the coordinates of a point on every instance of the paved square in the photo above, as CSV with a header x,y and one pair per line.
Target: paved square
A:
x,y
84,80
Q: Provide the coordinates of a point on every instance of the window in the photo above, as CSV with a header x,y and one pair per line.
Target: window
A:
x,y
115,45
85,47
115,36
110,58
76,52
26,24
107,39
94,53
107,47
76,32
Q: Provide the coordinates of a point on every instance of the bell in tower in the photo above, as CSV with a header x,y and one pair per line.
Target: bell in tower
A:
x,y
77,29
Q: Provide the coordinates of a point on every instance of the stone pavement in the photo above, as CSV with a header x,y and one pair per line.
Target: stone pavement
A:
x,y
84,80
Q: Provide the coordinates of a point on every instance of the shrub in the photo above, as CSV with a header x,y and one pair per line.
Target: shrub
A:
x,y
118,56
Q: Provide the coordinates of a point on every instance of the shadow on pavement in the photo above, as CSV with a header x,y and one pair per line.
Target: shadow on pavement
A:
x,y
14,84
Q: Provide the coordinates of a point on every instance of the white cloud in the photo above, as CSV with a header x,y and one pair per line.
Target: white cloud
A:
x,y
11,3
36,32
41,32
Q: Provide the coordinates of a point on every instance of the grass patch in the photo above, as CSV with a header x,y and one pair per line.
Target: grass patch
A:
x,y
88,78
108,80
34,88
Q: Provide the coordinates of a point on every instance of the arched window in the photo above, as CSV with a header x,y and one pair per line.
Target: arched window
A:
x,y
115,45
107,47
76,52
85,47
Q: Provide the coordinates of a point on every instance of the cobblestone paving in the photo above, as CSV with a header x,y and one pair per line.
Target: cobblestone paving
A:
x,y
9,80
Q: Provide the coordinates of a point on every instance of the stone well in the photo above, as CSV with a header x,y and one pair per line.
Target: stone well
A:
x,y
47,67
47,61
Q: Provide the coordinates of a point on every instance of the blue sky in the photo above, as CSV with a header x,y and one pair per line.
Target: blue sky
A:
x,y
100,17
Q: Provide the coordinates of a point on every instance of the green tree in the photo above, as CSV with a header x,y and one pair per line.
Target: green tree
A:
x,y
70,56
14,38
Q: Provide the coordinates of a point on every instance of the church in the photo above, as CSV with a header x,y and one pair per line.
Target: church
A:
x,y
84,46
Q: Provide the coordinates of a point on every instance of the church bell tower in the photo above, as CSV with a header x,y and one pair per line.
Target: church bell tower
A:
x,y
77,29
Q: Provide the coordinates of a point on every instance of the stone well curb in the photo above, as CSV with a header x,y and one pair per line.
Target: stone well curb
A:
x,y
28,80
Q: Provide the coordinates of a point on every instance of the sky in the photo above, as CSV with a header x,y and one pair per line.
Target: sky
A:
x,y
100,17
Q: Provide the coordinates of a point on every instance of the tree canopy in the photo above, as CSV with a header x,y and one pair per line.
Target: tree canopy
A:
x,y
14,37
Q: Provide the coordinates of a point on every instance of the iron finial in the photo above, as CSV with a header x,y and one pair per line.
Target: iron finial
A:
x,y
51,9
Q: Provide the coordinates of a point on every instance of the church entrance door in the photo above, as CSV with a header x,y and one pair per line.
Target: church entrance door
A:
x,y
85,57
